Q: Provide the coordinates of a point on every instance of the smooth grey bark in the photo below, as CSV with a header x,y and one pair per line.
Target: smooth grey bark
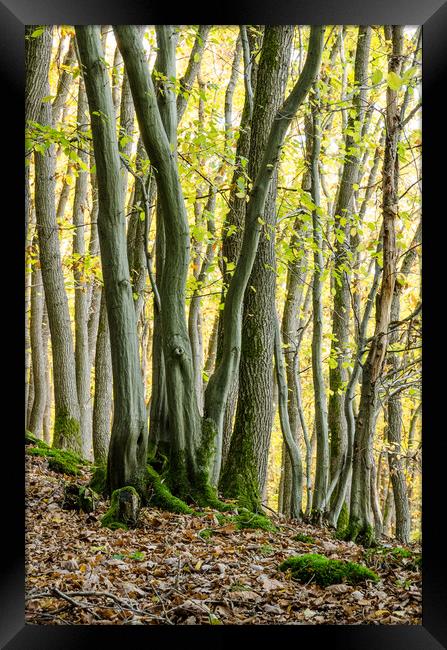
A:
x,y
338,376
35,424
47,361
37,62
321,422
102,406
194,315
343,481
394,405
211,353
290,441
187,81
81,302
291,333
219,384
64,83
67,416
186,469
65,192
360,524
128,443
229,92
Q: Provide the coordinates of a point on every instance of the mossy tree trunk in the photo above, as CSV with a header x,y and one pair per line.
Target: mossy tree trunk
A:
x,y
246,465
232,230
171,111
360,518
128,443
184,419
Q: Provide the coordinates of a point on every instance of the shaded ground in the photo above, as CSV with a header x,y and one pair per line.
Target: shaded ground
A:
x,y
183,569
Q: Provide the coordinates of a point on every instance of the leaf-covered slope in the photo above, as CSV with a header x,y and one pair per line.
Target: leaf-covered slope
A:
x,y
170,571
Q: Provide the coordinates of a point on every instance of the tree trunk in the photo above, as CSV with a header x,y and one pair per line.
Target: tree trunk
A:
x,y
245,471
232,231
291,332
67,433
338,376
184,419
394,430
38,354
360,524
296,488
321,423
128,443
190,461
82,356
102,406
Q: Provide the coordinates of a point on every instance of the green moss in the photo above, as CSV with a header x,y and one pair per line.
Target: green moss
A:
x,y
160,495
343,521
401,552
67,433
384,557
246,519
31,439
115,517
301,537
98,482
325,571
361,533
239,480
64,462
206,533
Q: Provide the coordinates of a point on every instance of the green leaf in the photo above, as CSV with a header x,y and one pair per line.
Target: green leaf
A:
x,y
138,555
37,32
377,76
394,81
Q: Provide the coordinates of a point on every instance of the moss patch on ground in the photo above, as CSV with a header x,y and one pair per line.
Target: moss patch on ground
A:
x,y
247,519
59,460
325,571
302,537
384,556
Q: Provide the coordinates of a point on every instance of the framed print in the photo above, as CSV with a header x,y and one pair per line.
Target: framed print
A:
x,y
223,324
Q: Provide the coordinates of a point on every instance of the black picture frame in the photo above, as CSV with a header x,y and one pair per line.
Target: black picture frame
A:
x,y
432,14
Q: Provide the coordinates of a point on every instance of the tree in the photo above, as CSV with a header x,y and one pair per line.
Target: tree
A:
x,y
128,442
360,524
245,471
67,433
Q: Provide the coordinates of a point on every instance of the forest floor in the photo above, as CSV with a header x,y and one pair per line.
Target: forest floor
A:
x,y
164,572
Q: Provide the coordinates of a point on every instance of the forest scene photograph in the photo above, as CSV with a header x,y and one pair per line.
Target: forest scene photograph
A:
x,y
223,315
